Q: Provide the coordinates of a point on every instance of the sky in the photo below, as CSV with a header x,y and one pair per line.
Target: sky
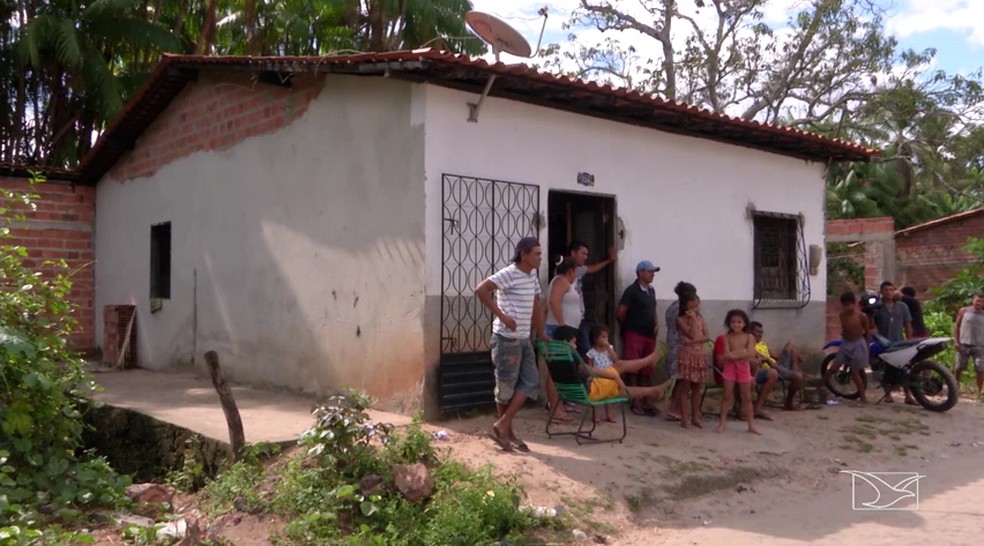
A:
x,y
955,28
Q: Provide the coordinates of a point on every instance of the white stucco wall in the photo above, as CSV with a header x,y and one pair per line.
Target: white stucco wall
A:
x,y
308,245
683,200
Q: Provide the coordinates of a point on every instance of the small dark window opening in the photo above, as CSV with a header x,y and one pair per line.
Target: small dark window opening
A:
x,y
776,259
160,261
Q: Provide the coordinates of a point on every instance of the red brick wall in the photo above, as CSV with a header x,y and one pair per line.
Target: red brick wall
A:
x,y
861,226
62,228
930,256
213,114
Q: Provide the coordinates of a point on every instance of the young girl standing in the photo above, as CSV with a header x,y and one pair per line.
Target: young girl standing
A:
x,y
739,349
692,360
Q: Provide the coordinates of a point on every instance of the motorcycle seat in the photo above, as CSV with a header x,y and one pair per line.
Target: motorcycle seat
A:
x,y
899,345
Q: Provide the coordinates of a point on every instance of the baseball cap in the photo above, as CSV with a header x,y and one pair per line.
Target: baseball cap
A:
x,y
646,265
525,244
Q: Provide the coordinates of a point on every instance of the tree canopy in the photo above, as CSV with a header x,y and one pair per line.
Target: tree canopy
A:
x,y
67,66
830,67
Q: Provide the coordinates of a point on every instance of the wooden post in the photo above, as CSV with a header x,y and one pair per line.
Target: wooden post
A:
x,y
236,435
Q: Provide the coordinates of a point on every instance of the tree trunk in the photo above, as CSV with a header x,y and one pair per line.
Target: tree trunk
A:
x,y
207,36
236,435
251,41
669,66
375,18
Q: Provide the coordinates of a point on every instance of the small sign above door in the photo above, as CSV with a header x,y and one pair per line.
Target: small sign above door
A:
x,y
585,179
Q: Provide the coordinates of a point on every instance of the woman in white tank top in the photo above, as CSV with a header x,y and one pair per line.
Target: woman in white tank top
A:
x,y
564,303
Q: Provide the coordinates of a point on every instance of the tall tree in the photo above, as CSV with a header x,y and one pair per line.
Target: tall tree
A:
x,y
721,55
68,61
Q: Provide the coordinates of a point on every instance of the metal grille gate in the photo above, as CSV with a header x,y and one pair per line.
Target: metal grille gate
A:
x,y
482,222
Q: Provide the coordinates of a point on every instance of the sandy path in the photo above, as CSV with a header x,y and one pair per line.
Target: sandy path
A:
x,y
784,487
950,512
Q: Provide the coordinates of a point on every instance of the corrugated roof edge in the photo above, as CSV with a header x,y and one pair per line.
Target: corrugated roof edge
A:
x,y
940,221
174,71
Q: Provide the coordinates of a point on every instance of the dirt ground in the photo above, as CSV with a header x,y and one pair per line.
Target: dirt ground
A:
x,y
667,485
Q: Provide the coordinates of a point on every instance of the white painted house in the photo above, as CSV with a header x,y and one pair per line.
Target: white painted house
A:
x,y
322,221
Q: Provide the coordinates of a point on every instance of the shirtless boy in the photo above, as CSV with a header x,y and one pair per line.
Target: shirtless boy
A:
x,y
856,335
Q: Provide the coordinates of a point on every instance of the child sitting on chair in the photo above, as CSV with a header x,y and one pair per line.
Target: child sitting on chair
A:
x,y
602,356
604,383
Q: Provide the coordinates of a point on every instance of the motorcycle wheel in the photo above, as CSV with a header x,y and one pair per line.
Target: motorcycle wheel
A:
x,y
839,380
933,386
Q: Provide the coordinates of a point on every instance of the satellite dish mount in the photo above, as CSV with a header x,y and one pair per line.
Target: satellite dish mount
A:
x,y
502,37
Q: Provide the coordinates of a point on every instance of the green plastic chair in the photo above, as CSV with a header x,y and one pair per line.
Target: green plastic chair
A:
x,y
562,363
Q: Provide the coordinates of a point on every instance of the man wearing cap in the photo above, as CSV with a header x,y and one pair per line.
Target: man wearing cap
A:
x,y
517,309
637,317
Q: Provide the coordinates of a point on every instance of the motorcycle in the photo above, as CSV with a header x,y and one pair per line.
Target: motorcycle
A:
x,y
904,363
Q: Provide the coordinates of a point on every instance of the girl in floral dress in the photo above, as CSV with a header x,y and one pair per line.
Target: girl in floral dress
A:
x,y
692,360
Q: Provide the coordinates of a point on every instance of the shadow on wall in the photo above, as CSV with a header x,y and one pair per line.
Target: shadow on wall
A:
x,y
308,250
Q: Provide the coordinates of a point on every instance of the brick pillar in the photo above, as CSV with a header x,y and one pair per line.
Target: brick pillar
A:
x,y
116,320
874,265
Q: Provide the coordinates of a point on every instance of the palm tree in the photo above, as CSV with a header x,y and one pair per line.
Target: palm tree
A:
x,y
302,27
77,59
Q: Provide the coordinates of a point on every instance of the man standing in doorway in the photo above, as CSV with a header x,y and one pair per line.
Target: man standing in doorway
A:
x,y
517,309
893,321
578,251
637,317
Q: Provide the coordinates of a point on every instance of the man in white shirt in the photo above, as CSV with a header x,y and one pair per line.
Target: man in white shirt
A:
x,y
518,309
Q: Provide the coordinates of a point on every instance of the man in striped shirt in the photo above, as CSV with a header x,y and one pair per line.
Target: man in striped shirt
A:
x,y
517,309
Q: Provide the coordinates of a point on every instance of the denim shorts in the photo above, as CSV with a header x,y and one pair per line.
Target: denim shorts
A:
x,y
515,368
965,353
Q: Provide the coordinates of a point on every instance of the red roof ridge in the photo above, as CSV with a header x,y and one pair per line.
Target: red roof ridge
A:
x,y
167,80
939,221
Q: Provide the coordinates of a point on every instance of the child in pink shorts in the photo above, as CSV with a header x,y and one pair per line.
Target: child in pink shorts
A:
x,y
734,353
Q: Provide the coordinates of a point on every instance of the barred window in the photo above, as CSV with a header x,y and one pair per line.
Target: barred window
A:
x,y
781,278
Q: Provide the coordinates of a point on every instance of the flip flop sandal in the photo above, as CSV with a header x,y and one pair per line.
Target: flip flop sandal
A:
x,y
638,411
671,417
499,440
911,403
611,419
764,417
521,446
651,412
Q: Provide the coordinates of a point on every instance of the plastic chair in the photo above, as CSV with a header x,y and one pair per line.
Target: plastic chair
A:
x,y
563,362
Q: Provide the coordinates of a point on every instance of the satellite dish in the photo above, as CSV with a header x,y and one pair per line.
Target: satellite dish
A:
x,y
498,34
502,37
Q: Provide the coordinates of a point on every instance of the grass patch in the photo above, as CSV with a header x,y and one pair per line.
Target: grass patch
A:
x,y
581,511
642,498
695,486
870,429
675,467
857,444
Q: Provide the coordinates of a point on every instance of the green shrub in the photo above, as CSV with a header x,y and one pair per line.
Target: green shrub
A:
x,y
240,482
958,291
471,508
41,396
320,491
